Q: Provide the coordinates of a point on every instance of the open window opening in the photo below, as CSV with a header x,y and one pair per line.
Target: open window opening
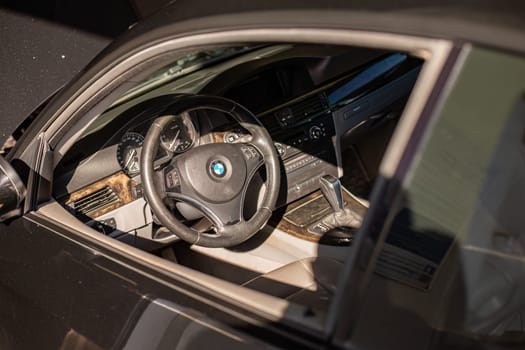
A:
x,y
328,113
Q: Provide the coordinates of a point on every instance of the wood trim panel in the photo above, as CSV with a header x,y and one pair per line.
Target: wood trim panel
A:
x,y
120,183
286,226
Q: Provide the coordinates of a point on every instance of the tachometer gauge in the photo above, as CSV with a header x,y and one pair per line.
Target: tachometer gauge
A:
x,y
128,152
179,135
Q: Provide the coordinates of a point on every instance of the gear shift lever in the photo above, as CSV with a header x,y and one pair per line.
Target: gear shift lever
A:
x,y
341,216
331,188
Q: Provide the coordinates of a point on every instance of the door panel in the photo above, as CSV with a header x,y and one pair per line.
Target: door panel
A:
x,y
451,269
55,293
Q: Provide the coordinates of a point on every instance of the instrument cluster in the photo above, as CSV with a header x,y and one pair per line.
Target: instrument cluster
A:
x,y
180,135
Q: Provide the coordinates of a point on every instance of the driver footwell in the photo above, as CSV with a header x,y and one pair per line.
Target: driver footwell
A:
x,y
309,281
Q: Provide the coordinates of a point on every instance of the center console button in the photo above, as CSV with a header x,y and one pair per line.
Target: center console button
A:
x,y
315,132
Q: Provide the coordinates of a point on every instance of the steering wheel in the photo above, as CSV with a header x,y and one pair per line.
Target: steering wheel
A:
x,y
213,178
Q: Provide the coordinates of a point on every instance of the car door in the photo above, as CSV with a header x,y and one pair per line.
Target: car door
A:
x,y
59,292
445,257
64,288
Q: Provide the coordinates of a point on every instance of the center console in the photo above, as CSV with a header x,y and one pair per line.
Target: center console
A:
x,y
303,132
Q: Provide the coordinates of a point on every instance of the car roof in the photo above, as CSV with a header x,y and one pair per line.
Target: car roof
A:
x,y
494,23
500,13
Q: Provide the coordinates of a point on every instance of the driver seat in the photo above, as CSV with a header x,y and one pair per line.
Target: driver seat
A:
x,y
310,282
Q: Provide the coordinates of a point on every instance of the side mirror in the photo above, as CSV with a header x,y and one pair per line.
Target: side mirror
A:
x,y
12,191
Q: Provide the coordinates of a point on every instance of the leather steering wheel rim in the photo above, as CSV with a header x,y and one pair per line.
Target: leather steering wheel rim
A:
x,y
226,235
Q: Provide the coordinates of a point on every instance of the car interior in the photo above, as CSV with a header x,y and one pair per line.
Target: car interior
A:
x,y
250,163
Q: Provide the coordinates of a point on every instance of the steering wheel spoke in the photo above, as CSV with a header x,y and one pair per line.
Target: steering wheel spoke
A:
x,y
171,179
162,162
226,214
252,157
220,214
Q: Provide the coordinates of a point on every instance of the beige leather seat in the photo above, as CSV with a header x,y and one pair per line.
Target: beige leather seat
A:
x,y
311,282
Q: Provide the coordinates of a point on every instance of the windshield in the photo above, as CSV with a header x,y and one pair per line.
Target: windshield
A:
x,y
182,66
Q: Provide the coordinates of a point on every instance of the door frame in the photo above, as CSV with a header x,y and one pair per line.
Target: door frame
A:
x,y
89,92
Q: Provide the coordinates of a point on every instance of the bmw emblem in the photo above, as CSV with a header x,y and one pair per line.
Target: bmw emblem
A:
x,y
218,168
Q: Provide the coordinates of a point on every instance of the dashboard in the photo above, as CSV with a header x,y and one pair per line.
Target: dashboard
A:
x,y
308,114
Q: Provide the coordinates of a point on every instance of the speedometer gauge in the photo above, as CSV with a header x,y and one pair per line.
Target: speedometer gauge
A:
x,y
128,152
179,135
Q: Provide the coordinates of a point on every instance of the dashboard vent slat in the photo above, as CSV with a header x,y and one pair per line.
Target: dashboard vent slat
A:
x,y
308,107
300,111
95,201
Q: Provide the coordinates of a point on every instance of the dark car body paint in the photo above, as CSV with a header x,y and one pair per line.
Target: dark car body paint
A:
x,y
56,288
52,285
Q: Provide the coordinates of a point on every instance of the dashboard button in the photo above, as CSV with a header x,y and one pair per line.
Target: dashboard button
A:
x,y
315,132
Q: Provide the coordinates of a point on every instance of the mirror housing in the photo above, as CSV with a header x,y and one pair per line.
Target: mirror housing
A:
x,y
12,191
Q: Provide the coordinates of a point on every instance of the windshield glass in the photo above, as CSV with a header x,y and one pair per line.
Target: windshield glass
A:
x,y
182,66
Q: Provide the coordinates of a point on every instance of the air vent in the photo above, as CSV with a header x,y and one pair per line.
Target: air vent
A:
x,y
95,201
308,107
294,114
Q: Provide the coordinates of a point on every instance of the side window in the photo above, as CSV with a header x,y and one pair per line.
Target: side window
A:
x,y
493,248
329,111
452,267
